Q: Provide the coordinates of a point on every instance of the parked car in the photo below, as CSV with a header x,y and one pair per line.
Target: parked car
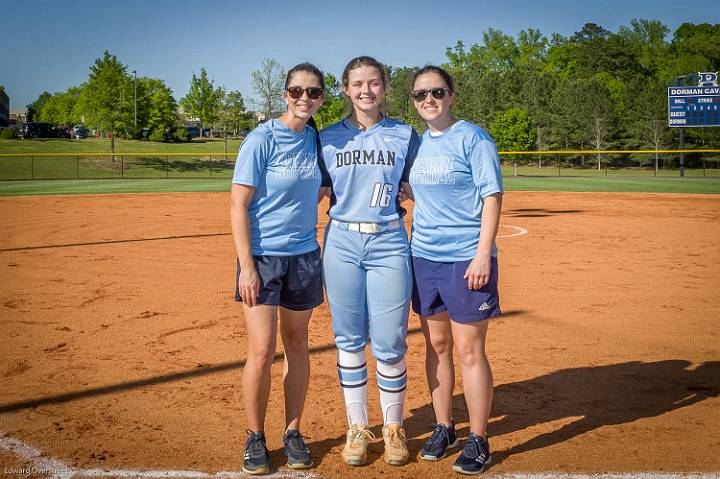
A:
x,y
36,130
194,131
79,132
63,132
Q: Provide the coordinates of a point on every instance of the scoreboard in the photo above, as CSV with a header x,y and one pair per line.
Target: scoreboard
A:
x,y
693,106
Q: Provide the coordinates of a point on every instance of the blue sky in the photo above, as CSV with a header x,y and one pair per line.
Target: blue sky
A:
x,y
50,45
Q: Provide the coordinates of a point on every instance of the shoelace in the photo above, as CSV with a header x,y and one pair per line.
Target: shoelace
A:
x,y
474,448
397,437
297,442
471,448
436,434
256,444
363,433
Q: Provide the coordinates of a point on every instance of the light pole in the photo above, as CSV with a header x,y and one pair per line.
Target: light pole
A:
x,y
135,81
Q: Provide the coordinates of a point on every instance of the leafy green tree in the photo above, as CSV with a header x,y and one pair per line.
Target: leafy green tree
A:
x,y
8,133
162,107
180,133
513,130
702,40
646,117
498,52
398,100
59,109
477,86
333,107
598,109
582,115
269,83
158,135
532,47
566,125
646,40
34,108
107,97
528,87
203,99
232,111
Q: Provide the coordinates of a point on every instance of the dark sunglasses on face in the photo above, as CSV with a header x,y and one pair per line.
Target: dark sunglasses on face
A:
x,y
437,93
296,92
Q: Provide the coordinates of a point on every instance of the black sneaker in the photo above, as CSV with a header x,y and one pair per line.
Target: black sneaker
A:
x,y
474,456
296,451
256,459
443,439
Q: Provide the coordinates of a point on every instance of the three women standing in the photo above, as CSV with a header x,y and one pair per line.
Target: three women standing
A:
x,y
367,265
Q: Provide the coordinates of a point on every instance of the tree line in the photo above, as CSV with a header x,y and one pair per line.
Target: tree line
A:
x,y
592,90
116,103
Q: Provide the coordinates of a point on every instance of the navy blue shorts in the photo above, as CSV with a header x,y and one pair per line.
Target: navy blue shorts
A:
x,y
440,287
293,282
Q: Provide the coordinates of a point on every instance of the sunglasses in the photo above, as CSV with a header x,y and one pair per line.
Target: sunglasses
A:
x,y
296,92
437,93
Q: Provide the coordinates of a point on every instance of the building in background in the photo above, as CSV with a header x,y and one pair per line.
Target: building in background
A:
x,y
262,117
18,116
4,108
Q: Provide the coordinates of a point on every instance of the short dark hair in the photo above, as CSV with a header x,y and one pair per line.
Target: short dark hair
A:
x,y
435,69
307,68
363,61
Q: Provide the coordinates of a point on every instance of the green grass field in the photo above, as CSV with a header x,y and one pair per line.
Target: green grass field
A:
x,y
102,145
592,172
77,187
160,171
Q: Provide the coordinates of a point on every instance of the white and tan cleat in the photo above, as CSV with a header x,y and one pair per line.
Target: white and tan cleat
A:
x,y
396,451
358,438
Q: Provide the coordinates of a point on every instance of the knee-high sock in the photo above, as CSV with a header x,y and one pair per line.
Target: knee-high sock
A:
x,y
392,381
352,372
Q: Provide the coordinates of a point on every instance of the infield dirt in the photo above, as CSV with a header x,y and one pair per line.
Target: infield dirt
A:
x,y
122,346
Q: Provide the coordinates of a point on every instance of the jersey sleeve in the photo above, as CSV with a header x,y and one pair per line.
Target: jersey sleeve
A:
x,y
485,167
413,147
251,160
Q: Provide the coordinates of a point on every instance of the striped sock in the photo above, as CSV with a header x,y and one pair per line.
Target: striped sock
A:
x,y
392,381
352,372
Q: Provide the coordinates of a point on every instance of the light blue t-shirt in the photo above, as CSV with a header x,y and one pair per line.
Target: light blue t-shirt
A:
x,y
283,167
366,168
451,175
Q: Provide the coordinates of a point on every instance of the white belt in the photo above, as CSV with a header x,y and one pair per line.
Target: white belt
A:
x,y
370,228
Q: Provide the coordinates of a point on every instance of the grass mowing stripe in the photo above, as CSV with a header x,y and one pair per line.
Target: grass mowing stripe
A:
x,y
79,187
610,185
87,187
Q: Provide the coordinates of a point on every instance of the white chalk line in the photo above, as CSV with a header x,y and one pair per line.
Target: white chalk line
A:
x,y
625,475
55,469
519,231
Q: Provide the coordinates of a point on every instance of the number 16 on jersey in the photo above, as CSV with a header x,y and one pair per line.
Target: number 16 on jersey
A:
x,y
381,195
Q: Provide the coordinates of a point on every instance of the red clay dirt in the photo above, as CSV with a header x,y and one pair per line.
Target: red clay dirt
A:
x,y
122,347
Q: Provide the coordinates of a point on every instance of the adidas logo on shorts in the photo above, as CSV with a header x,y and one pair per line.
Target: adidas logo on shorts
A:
x,y
484,307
